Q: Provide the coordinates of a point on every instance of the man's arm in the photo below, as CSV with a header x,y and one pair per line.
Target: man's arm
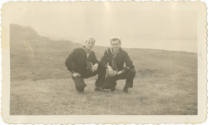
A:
x,y
95,62
105,58
128,61
94,58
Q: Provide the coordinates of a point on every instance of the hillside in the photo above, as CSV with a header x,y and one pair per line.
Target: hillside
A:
x,y
38,57
165,83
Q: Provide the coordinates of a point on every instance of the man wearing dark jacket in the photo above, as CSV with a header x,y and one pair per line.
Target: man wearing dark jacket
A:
x,y
118,65
82,63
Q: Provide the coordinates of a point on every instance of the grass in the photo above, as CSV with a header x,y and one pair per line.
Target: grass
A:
x,y
164,85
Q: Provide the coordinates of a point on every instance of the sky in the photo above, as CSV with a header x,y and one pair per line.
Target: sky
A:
x,y
166,27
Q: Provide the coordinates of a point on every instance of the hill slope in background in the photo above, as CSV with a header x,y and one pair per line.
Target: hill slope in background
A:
x,y
165,79
39,57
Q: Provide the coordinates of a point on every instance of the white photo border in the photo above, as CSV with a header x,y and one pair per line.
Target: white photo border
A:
x,y
199,7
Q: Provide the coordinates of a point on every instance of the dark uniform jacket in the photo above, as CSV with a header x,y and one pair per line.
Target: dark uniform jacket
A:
x,y
117,62
78,61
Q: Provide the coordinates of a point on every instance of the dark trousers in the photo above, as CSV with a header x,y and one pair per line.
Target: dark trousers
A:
x,y
110,83
79,80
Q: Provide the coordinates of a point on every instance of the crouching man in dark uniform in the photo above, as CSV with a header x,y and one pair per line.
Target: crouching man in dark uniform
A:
x,y
82,63
117,65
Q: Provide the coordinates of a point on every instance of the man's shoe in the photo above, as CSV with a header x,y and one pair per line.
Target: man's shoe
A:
x,y
80,90
99,89
113,89
79,84
125,89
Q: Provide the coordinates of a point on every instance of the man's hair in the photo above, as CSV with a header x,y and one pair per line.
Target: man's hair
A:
x,y
90,40
116,39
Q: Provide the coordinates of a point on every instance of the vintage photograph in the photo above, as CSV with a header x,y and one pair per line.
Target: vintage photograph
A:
x,y
103,58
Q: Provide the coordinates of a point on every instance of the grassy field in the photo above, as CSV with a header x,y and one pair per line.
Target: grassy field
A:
x,y
165,83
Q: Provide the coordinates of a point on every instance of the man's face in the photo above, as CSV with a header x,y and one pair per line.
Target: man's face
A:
x,y
115,45
89,44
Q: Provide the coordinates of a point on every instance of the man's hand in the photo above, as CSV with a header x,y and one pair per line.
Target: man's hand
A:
x,y
94,67
75,74
120,72
110,72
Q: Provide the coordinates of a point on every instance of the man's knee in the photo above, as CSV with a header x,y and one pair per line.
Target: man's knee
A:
x,y
132,72
89,74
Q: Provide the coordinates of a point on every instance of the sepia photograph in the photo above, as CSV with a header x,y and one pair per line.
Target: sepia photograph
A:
x,y
119,59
